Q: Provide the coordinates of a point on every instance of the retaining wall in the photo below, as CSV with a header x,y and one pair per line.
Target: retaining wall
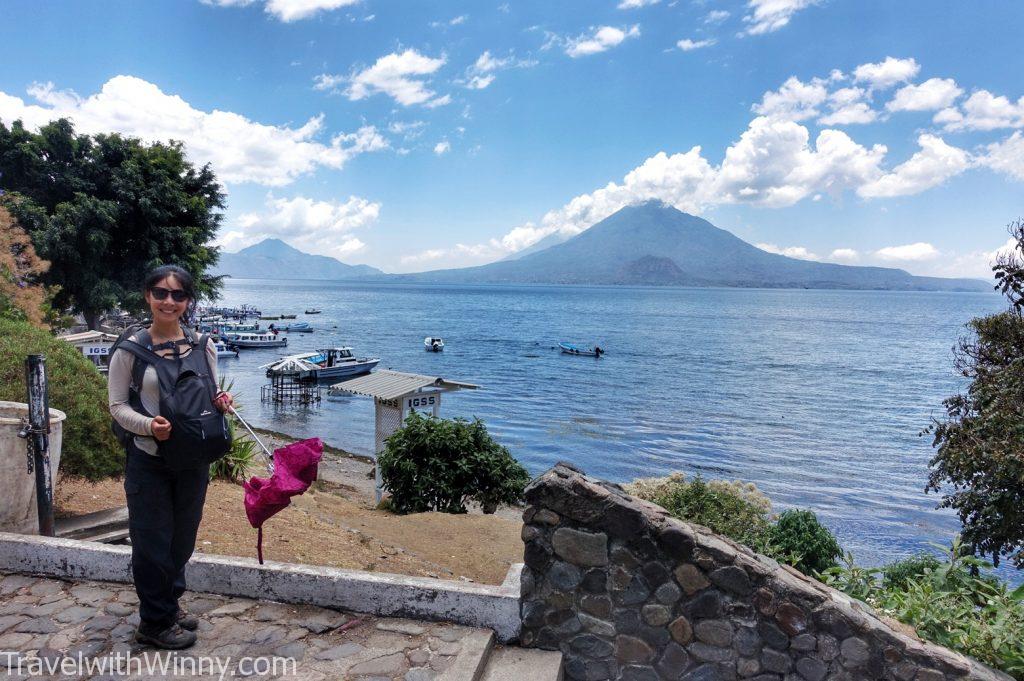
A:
x,y
627,592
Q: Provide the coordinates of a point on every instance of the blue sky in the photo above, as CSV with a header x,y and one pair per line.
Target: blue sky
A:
x,y
416,135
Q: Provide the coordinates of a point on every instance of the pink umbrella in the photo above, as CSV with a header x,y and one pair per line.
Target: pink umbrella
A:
x,y
292,470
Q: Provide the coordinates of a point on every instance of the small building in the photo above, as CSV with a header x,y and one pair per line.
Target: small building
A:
x,y
95,345
395,394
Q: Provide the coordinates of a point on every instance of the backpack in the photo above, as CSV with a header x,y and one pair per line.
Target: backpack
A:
x,y
199,431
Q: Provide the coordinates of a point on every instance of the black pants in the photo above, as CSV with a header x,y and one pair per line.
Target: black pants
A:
x,y
164,510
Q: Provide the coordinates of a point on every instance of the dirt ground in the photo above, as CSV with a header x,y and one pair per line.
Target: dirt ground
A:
x,y
335,524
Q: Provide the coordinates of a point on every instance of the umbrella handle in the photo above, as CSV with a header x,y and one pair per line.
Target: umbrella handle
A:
x,y
270,457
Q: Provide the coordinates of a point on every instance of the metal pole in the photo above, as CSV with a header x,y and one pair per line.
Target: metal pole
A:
x,y
38,435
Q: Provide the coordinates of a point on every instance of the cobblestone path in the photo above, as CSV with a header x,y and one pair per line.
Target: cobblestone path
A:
x,y
49,624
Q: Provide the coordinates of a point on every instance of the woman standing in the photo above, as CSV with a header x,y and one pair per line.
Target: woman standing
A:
x,y
165,502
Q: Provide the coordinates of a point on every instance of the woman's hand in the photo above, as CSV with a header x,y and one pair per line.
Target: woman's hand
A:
x,y
223,401
161,428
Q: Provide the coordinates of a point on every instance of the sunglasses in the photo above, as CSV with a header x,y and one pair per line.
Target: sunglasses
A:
x,y
161,293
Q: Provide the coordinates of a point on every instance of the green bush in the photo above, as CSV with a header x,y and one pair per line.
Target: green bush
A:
x,y
741,512
236,465
954,604
735,510
89,447
801,541
435,464
899,574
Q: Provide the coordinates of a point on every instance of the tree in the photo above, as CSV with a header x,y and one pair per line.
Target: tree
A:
x,y
21,294
979,463
105,209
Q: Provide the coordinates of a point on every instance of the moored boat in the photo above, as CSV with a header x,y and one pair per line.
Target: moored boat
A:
x,y
295,327
328,363
433,344
289,316
576,349
225,350
255,340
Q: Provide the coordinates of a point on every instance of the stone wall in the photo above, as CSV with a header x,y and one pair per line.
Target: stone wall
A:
x,y
627,592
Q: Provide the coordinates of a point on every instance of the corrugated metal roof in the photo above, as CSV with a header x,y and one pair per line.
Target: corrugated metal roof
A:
x,y
388,385
88,337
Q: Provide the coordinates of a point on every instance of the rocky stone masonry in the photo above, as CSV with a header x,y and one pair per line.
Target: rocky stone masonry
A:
x,y
627,592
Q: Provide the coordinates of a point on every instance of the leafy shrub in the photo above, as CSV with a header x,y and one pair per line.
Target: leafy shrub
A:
x,y
437,464
738,511
899,574
803,542
240,460
948,604
89,448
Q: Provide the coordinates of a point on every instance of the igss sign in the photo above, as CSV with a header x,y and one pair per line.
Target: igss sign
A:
x,y
423,401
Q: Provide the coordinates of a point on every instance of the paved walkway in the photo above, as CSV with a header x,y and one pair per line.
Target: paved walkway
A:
x,y
48,624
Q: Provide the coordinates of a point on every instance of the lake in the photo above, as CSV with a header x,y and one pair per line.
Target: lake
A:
x,y
817,397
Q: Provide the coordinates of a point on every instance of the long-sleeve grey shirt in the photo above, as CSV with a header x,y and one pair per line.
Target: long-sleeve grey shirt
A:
x,y
119,378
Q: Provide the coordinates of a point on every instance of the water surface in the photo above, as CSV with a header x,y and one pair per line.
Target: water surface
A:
x,y
818,397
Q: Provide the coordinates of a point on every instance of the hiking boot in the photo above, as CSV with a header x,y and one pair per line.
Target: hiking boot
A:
x,y
186,620
168,638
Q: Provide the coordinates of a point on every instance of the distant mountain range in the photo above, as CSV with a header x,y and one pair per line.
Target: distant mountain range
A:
x,y
654,244
274,259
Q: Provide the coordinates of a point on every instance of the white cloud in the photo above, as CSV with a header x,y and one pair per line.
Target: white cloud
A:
x,y
716,16
849,107
933,94
935,163
636,4
407,129
844,255
766,16
313,226
687,45
1007,156
774,165
482,72
288,10
794,101
984,111
915,252
601,39
400,76
442,147
887,73
799,252
425,256
240,149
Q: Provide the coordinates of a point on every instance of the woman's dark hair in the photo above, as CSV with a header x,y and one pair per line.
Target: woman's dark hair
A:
x,y
183,278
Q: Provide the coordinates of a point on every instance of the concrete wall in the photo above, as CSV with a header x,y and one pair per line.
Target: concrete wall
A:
x,y
627,592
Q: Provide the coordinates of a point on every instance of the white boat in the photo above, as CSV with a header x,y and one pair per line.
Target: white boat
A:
x,y
255,340
328,363
433,344
225,350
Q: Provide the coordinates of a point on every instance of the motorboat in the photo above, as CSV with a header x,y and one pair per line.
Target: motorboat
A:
x,y
296,327
225,350
313,311
328,363
433,344
576,349
255,340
